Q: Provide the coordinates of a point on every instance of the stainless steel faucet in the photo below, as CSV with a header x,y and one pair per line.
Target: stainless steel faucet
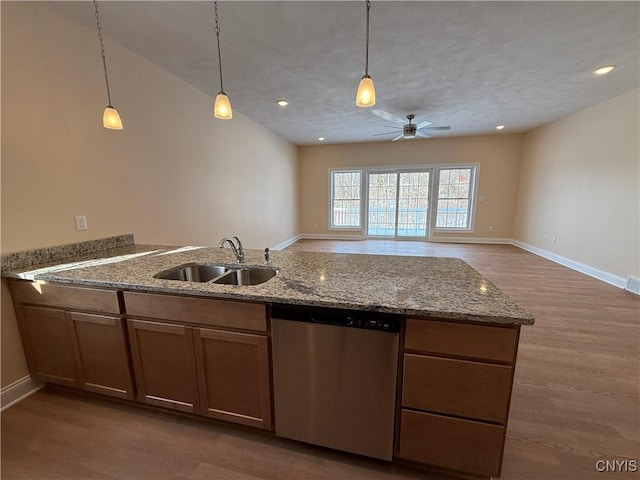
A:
x,y
238,249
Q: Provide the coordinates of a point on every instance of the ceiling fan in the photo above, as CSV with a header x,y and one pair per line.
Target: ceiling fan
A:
x,y
412,130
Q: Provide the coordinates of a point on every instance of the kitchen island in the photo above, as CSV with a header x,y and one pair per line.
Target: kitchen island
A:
x,y
455,358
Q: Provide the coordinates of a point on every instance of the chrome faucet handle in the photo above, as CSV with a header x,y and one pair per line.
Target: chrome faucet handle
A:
x,y
266,255
237,251
240,250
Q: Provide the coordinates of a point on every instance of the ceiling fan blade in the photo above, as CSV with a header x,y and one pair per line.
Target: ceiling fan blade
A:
x,y
387,116
423,124
399,137
387,133
439,128
423,135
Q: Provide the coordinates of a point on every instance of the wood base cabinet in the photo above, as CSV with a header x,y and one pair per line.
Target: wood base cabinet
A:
x,y
455,393
73,348
453,443
48,346
233,376
164,365
181,363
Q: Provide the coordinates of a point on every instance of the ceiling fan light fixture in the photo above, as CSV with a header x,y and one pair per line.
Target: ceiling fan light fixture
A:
x,y
282,102
111,118
222,106
366,94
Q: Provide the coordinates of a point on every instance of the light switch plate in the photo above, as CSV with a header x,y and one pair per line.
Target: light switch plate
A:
x,y
81,222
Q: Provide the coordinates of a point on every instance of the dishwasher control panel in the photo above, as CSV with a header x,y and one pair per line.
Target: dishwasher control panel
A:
x,y
386,322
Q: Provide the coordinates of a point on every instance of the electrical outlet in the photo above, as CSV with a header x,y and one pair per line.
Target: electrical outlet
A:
x,y
481,198
81,222
491,228
554,240
544,238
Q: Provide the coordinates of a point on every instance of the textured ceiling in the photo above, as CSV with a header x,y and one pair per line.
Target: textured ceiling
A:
x,y
471,65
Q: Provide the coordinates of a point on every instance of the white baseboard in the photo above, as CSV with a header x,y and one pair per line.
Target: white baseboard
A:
x,y
610,278
286,243
490,240
18,390
633,285
331,236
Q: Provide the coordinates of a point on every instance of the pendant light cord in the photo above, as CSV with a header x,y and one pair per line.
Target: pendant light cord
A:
x,y
104,58
366,58
217,31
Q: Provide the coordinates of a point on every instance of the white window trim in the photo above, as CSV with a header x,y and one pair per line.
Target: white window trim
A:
x,y
397,170
473,201
433,200
345,170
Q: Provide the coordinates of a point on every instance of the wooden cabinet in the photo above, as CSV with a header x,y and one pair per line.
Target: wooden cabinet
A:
x,y
164,365
47,344
233,376
101,354
72,348
181,363
455,392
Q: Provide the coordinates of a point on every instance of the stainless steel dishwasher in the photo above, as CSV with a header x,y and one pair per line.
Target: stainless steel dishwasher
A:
x,y
334,375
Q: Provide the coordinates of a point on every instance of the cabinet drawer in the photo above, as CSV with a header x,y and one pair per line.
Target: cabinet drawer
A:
x,y
220,313
457,387
476,341
65,296
463,445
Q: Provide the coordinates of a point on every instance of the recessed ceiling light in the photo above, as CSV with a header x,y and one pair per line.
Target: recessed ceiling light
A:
x,y
499,127
321,139
604,70
282,102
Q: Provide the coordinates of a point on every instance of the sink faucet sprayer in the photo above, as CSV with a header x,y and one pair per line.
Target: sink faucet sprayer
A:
x,y
238,249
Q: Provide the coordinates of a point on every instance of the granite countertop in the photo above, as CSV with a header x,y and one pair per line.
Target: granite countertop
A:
x,y
446,288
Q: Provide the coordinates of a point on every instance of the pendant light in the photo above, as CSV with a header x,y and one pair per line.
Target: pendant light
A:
x,y
366,95
222,107
110,118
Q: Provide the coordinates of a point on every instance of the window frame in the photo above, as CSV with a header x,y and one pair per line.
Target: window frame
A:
x,y
332,172
473,188
433,197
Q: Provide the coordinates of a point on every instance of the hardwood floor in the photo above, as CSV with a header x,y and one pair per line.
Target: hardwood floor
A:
x,y
575,398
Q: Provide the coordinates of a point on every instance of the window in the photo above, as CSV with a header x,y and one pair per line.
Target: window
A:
x,y
397,203
455,192
345,198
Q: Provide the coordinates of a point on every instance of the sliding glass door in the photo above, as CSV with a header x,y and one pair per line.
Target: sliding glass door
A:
x,y
398,204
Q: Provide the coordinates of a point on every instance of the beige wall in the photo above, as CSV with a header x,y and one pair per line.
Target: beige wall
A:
x,y
579,182
497,155
174,175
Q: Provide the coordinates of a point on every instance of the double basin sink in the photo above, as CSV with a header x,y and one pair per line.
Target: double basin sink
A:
x,y
219,274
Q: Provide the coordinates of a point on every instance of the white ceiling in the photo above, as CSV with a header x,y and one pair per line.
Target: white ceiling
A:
x,y
471,65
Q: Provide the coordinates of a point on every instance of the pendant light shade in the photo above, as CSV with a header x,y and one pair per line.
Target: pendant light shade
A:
x,y
222,106
110,118
366,94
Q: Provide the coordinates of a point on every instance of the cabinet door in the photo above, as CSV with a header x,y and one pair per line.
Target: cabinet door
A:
x,y
48,344
233,375
164,365
101,354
